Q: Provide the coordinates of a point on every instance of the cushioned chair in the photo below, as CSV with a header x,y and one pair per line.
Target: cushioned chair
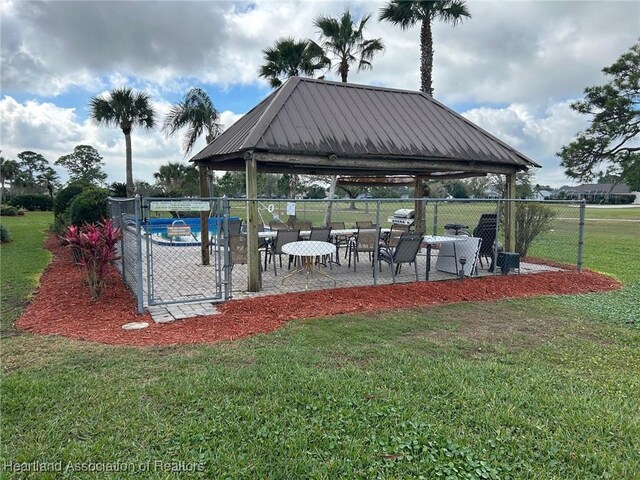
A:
x,y
405,252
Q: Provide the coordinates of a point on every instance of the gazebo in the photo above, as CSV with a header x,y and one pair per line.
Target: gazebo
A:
x,y
369,134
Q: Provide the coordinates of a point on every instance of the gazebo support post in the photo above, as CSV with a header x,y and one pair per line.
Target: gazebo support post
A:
x,y
510,213
253,254
418,193
204,216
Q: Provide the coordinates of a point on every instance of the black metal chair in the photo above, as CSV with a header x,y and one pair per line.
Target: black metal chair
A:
x,y
486,230
405,252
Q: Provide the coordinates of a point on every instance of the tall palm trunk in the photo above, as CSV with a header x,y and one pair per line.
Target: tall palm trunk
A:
x,y
129,163
344,73
426,56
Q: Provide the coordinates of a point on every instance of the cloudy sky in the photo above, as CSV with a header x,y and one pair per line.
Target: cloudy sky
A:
x,y
513,68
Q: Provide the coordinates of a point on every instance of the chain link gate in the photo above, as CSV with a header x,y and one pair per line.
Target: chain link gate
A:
x,y
175,272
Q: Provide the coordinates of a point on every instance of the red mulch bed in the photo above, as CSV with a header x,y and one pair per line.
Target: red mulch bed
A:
x,y
63,305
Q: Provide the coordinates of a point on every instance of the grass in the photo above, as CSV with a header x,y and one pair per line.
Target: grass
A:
x,y
22,263
539,388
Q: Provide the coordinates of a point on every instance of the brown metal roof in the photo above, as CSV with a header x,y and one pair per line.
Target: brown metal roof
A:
x,y
307,117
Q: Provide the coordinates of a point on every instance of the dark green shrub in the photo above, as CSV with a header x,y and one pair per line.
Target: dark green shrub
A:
x,y
66,195
5,236
33,202
89,207
8,211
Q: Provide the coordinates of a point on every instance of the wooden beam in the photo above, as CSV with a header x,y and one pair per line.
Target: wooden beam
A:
x,y
253,254
204,217
510,213
401,180
383,165
418,193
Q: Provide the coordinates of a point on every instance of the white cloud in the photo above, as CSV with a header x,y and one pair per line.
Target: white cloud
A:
x,y
54,131
539,134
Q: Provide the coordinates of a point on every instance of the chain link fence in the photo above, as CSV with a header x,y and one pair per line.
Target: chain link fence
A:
x,y
361,242
363,245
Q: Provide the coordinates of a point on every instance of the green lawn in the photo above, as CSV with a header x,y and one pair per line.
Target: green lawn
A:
x,y
542,388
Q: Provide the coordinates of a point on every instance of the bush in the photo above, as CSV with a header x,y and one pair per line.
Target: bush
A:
x,y
8,211
21,212
94,248
532,219
33,202
5,236
66,195
89,207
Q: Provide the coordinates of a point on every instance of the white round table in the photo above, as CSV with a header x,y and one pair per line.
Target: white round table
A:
x,y
431,240
307,250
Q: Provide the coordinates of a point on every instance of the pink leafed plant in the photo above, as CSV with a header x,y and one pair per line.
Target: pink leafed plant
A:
x,y
94,248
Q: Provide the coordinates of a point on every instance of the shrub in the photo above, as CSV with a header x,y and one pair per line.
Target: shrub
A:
x,y
8,211
66,195
33,202
89,207
21,212
5,236
532,219
94,248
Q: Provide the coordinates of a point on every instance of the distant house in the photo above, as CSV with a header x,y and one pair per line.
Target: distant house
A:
x,y
599,193
543,194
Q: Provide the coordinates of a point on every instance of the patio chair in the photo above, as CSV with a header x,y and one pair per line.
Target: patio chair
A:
x,y
405,252
486,230
301,225
364,242
395,233
321,235
238,249
340,240
365,224
235,226
282,238
273,226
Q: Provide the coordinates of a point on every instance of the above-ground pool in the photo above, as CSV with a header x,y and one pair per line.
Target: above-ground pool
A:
x,y
159,228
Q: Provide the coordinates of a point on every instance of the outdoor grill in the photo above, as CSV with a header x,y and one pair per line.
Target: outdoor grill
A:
x,y
404,216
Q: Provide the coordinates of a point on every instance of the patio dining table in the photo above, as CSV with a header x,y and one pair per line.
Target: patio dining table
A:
x,y
307,250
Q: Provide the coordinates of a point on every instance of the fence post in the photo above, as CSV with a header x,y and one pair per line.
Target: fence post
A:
x,y
435,218
225,243
123,226
376,249
139,294
494,259
581,235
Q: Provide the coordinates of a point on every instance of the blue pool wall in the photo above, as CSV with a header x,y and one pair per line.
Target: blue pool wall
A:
x,y
193,222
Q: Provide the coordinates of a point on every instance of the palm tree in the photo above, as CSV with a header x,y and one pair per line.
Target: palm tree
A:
x,y
291,58
170,176
407,13
197,113
49,179
124,108
344,40
8,171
